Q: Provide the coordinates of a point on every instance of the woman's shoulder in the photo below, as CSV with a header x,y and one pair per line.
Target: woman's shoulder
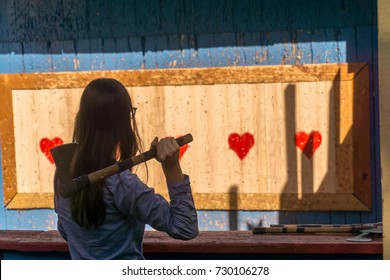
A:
x,y
125,179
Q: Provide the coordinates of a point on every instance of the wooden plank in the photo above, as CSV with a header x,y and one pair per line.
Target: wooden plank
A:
x,y
332,51
305,123
73,19
16,58
32,200
222,52
147,15
251,48
169,52
124,55
33,241
109,54
239,52
325,157
361,160
161,52
223,242
273,109
384,90
343,104
63,56
92,19
83,55
275,48
347,45
213,107
105,16
324,46
97,57
20,19
137,49
261,135
175,46
256,201
4,57
125,14
205,42
7,21
190,76
7,144
304,47
289,57
150,52
188,48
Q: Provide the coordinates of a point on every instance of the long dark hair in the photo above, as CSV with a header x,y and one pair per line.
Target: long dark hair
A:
x,y
104,122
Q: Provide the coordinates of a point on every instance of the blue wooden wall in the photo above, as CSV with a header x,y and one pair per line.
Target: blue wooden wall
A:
x,y
87,35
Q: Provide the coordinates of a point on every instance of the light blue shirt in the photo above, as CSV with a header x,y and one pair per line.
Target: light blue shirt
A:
x,y
130,204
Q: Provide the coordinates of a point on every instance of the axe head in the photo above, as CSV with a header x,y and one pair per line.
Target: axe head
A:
x,y
63,156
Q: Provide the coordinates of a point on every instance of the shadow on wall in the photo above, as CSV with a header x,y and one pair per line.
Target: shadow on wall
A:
x,y
307,168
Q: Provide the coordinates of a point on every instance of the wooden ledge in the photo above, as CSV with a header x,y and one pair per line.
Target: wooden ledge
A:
x,y
213,242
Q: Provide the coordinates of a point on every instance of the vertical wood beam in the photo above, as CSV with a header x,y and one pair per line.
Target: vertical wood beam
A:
x,y
384,90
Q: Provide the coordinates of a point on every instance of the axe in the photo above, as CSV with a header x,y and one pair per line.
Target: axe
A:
x,y
63,156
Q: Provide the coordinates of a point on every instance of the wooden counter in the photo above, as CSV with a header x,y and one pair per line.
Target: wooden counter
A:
x,y
219,243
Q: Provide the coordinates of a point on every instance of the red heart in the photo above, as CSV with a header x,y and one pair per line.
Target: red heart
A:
x,y
46,144
183,149
308,143
241,144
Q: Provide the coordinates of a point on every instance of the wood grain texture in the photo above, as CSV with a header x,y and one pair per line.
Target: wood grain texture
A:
x,y
7,144
32,200
189,76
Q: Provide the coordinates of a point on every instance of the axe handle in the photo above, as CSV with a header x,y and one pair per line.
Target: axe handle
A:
x,y
126,164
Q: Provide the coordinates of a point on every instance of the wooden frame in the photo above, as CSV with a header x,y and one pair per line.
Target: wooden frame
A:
x,y
352,120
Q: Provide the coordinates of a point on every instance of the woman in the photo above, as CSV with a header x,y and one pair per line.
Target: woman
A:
x,y
107,219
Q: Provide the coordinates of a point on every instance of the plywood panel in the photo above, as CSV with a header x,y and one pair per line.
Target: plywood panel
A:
x,y
40,114
249,132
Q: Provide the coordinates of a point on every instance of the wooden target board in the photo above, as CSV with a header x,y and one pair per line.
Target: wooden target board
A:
x,y
265,138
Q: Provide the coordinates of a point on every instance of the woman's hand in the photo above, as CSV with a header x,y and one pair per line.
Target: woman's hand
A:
x,y
168,155
167,151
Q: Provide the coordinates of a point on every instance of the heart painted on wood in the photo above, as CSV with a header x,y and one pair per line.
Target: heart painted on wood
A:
x,y
241,144
308,143
46,144
183,149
